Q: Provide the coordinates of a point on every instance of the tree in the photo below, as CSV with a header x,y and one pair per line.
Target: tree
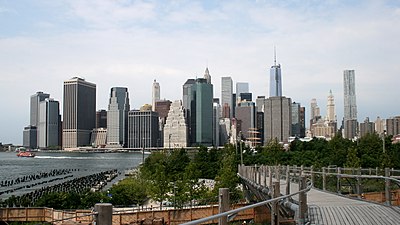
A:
x,y
352,160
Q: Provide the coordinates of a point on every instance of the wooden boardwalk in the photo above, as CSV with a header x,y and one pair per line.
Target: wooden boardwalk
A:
x,y
331,209
326,208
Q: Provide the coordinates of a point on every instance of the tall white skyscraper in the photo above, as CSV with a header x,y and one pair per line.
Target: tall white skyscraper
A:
x,y
330,108
275,81
226,97
156,94
49,124
117,117
350,106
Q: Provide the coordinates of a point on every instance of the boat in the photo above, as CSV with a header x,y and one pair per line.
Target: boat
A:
x,y
26,154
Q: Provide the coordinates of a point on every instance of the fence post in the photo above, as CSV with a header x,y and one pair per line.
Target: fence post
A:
x,y
312,175
359,190
275,205
302,200
104,213
301,170
270,176
223,205
387,187
324,178
338,184
287,179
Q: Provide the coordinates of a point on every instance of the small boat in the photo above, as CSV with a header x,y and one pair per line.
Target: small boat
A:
x,y
26,154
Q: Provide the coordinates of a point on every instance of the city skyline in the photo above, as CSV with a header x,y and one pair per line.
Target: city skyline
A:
x,y
45,43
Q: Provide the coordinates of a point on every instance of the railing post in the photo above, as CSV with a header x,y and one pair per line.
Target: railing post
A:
x,y
223,204
359,188
278,172
287,179
377,171
324,178
275,205
270,176
302,201
301,171
104,213
388,196
312,175
338,184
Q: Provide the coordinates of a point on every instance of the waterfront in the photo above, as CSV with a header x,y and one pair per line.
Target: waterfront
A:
x,y
80,164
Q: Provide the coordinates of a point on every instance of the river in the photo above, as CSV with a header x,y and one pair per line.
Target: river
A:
x,y
83,164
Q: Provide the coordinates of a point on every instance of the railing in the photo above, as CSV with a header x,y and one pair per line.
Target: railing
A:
x,y
243,173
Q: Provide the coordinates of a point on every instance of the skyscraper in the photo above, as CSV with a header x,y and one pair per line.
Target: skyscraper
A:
x,y
176,129
226,96
207,76
204,112
117,117
330,108
315,114
350,106
277,119
49,121
35,101
241,87
155,94
79,112
143,129
275,81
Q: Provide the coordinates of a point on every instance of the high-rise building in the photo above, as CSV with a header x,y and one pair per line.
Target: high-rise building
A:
x,y
246,97
155,94
188,102
277,119
226,97
330,108
350,106
260,103
35,101
49,121
314,112
367,127
79,112
207,76
204,112
241,87
215,124
117,117
302,122
275,81
246,117
393,125
30,137
176,129
101,118
380,125
143,129
296,123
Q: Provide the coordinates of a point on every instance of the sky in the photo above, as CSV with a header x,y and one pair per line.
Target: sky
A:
x,y
130,43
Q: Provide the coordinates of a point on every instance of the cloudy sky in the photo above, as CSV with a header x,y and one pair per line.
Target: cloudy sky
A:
x,y
131,43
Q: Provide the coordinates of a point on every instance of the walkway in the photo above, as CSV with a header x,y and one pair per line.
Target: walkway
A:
x,y
325,208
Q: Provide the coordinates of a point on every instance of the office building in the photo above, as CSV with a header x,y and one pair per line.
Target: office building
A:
x,y
79,112
207,76
98,137
246,97
48,124
143,129
155,94
277,119
350,106
101,118
30,137
315,114
246,118
241,87
226,97
260,103
224,130
215,124
296,123
117,117
393,126
367,127
380,125
35,101
198,105
176,128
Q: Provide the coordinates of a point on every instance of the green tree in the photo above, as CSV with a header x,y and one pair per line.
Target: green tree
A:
x,y
130,191
352,160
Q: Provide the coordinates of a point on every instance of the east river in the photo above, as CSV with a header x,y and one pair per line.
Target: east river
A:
x,y
77,165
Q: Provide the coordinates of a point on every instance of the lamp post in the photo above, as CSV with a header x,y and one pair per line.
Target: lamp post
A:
x,y
383,141
143,150
241,150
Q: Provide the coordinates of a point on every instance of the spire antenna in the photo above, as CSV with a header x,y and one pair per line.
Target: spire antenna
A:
x,y
274,55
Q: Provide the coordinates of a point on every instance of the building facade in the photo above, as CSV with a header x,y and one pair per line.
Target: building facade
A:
x,y
367,127
49,123
226,97
176,129
275,81
143,129
277,119
155,94
350,105
117,117
79,112
30,137
101,118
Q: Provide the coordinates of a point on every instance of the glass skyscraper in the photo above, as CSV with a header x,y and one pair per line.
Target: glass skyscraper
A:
x,y
117,117
350,106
